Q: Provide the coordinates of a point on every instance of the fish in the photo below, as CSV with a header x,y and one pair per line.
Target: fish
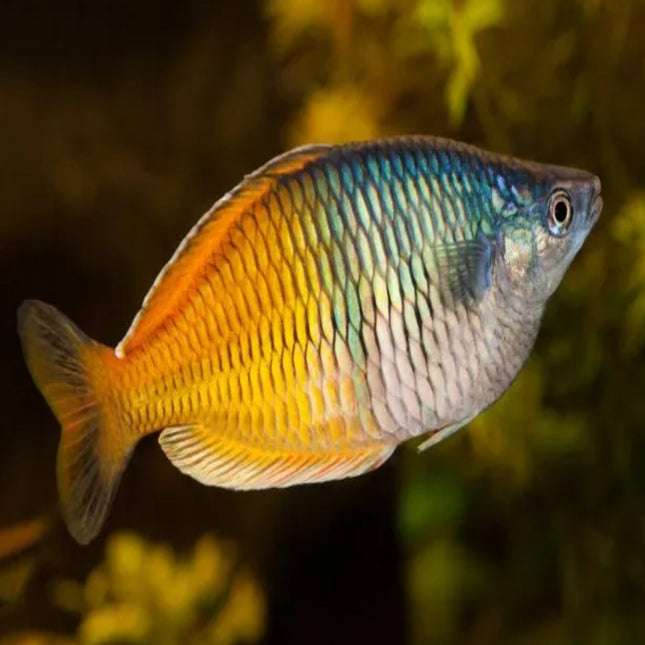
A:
x,y
341,300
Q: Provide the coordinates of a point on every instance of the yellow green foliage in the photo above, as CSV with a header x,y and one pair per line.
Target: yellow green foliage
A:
x,y
629,229
145,593
452,28
36,638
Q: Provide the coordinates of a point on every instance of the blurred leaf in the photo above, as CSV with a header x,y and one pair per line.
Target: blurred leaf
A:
x,y
146,593
336,115
442,577
14,577
21,536
452,28
35,638
433,17
373,7
117,622
16,564
519,428
629,229
431,502
294,19
242,618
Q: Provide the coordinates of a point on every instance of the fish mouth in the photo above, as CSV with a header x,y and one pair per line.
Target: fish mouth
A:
x,y
594,211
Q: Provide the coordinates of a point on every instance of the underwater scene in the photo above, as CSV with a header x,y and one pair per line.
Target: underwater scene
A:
x,y
358,339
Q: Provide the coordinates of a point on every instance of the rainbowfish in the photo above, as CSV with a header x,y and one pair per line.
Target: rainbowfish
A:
x,y
339,301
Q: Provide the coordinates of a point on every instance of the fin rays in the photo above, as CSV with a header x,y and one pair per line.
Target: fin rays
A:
x,y
61,360
218,461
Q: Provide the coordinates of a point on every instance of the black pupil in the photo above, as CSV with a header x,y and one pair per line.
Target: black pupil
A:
x,y
561,211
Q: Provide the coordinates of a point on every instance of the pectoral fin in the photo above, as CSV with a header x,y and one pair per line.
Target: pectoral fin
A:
x,y
465,268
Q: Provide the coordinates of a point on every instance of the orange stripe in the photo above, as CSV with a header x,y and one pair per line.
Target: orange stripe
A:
x,y
170,289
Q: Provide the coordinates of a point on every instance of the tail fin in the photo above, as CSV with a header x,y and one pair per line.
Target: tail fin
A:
x,y
71,371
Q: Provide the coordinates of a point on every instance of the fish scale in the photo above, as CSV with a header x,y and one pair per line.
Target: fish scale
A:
x,y
339,301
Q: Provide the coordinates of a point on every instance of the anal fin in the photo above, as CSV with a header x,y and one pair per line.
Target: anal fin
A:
x,y
216,460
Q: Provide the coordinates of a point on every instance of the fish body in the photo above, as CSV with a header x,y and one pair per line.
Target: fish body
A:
x,y
339,301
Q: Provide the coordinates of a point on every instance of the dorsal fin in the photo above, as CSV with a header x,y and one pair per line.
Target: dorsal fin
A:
x,y
203,240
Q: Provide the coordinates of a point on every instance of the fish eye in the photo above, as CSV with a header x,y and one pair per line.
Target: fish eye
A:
x,y
560,213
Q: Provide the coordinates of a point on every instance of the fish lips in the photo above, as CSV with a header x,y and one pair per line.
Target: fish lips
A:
x,y
594,211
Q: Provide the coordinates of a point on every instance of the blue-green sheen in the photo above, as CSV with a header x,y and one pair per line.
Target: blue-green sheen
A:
x,y
431,257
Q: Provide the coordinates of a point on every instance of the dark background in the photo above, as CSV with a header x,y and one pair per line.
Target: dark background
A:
x,y
120,123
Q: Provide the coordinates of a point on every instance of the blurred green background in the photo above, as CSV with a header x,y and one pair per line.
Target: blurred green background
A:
x,y
121,122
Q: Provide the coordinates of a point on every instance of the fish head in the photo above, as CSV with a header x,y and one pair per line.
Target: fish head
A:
x,y
553,210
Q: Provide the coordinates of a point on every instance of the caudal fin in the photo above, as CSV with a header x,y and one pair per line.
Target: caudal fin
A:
x,y
71,371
